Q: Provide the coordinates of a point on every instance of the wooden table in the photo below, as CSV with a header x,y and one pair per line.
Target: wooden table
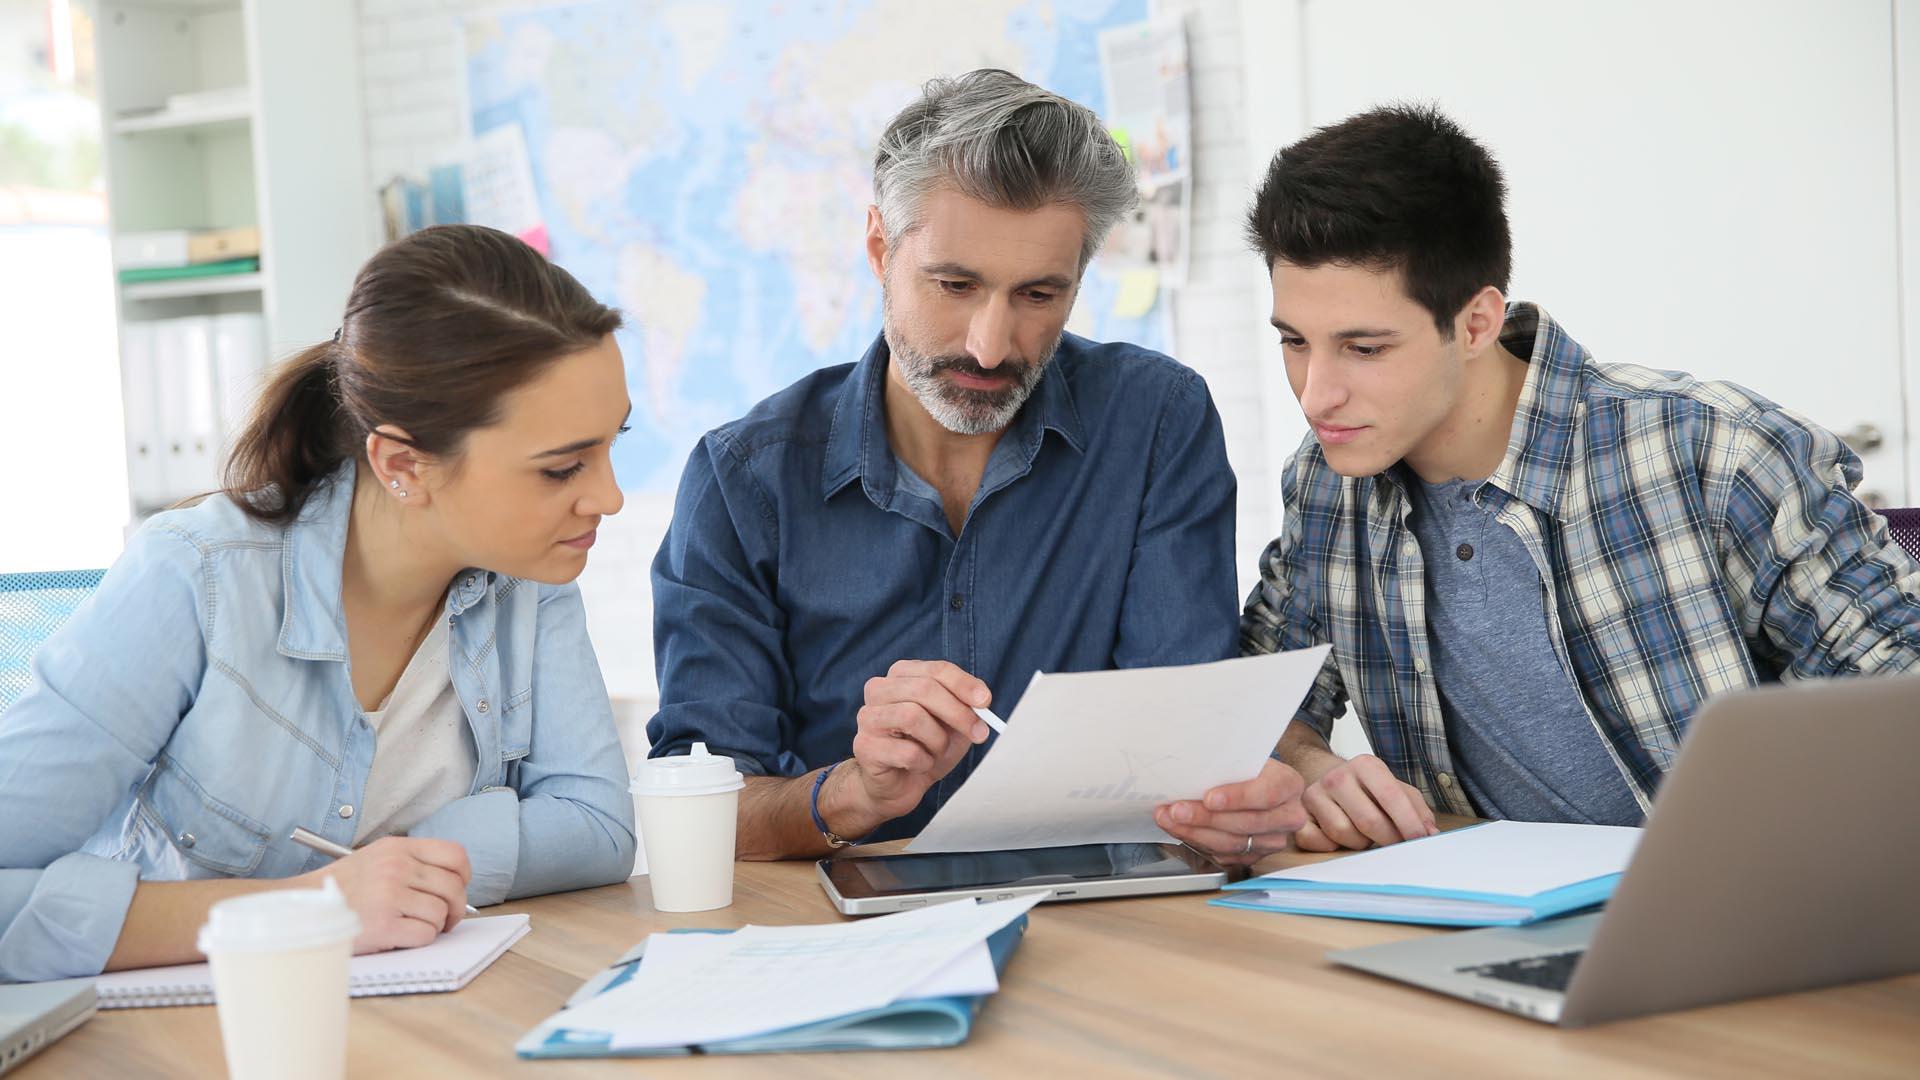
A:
x,y
1158,986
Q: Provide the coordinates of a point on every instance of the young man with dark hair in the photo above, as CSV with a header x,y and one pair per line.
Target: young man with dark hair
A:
x,y
1534,567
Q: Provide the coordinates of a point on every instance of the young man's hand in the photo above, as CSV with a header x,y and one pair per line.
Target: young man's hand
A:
x,y
1239,824
1359,803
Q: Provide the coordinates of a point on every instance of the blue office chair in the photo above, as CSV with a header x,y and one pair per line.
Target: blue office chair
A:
x,y
1905,527
32,607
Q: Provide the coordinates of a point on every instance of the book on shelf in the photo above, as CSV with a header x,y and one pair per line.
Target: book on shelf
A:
x,y
195,270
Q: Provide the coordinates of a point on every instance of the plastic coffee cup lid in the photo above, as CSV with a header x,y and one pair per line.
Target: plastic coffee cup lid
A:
x,y
694,773
280,921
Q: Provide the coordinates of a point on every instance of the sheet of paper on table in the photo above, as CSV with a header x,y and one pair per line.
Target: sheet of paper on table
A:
x,y
705,988
1088,755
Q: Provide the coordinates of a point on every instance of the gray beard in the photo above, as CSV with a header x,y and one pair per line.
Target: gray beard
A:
x,y
958,409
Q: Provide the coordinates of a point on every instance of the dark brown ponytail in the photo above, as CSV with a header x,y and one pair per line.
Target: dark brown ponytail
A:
x,y
438,327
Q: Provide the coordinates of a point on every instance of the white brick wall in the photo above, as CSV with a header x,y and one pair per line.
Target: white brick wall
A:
x,y
416,117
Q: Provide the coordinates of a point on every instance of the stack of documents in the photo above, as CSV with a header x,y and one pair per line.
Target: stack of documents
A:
x,y
1503,873
908,980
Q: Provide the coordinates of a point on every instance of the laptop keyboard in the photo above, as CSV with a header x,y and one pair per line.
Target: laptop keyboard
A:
x,y
1550,972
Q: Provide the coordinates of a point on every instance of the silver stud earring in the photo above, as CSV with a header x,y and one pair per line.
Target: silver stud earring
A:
x,y
395,485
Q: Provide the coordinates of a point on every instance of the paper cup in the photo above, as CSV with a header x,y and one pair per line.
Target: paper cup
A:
x,y
686,807
280,962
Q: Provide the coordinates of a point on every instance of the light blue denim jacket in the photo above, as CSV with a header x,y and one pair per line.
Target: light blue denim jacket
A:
x,y
199,706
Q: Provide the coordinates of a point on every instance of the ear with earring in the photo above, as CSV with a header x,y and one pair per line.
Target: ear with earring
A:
x,y
395,485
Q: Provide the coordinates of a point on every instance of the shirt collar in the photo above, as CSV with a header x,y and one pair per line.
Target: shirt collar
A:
x,y
312,554
1540,447
857,442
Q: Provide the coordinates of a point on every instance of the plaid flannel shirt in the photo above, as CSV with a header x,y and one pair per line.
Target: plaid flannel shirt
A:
x,y
1692,537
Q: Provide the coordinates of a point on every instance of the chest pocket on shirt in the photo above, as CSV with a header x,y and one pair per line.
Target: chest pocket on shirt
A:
x,y
516,736
203,829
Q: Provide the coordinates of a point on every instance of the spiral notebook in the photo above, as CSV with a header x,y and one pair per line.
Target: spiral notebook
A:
x,y
450,963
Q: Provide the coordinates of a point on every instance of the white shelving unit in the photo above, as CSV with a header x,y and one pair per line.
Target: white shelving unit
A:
x,y
238,114
190,288
284,150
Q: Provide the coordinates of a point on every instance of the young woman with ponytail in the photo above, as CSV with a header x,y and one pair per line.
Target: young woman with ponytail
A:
x,y
371,632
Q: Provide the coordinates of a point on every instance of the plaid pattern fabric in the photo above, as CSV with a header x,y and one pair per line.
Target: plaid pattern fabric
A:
x,y
1692,536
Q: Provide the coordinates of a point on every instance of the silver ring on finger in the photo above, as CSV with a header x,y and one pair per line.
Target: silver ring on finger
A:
x,y
1249,848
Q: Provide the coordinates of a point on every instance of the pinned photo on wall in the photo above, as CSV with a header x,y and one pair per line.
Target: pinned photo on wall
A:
x,y
491,184
499,186
1143,69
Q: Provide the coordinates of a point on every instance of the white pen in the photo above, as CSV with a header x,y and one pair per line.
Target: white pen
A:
x,y
994,722
327,847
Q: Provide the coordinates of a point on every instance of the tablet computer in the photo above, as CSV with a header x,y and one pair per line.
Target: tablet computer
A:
x,y
878,884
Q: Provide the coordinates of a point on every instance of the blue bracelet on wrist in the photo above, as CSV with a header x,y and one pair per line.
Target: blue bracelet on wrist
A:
x,y
813,805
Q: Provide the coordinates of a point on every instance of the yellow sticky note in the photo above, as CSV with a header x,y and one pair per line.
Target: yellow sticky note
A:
x,y
1138,290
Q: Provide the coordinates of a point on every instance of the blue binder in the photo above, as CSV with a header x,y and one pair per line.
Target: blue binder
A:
x,y
1432,880
1493,909
912,1024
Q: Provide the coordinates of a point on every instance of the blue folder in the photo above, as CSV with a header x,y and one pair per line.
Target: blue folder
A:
x,y
1309,898
912,1024
1422,896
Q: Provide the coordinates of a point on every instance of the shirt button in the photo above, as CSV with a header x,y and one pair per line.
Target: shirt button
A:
x,y
481,705
957,602
346,811
470,580
1409,549
1420,665
1446,781
1465,551
185,840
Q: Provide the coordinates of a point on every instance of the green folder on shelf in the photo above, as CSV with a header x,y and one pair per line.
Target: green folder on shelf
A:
x,y
909,1024
195,270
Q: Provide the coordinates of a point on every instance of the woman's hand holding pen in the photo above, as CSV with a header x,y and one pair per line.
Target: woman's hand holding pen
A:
x,y
407,891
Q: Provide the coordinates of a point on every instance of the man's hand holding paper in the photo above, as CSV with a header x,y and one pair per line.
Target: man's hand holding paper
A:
x,y
916,724
1121,756
1239,824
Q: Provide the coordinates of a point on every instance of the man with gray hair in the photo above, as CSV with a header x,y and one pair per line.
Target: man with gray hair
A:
x,y
874,552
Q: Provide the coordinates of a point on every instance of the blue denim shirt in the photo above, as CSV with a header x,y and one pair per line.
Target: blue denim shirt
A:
x,y
199,706
803,559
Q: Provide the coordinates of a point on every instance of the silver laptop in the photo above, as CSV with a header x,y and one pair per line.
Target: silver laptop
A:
x,y
35,1014
1783,853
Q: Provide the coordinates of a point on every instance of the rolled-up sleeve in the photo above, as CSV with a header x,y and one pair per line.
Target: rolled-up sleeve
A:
x,y
1278,615
1823,588
109,688
63,921
718,632
568,822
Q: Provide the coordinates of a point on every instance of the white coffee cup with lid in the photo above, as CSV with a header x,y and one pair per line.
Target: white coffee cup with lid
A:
x,y
280,963
687,807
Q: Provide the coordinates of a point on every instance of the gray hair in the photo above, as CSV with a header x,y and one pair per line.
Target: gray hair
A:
x,y
997,138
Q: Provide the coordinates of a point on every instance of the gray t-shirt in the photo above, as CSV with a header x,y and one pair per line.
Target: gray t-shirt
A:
x,y
1519,733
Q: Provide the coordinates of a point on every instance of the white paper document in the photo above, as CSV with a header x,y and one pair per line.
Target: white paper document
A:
x,y
1508,858
1087,756
701,988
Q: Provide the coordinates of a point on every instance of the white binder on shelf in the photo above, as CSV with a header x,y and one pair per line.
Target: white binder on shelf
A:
x,y
189,429
239,361
140,393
